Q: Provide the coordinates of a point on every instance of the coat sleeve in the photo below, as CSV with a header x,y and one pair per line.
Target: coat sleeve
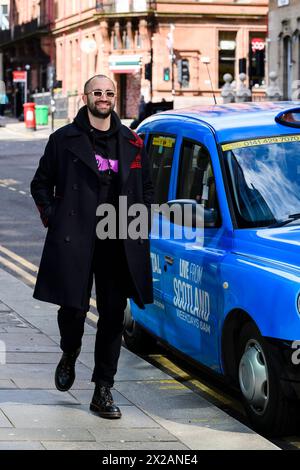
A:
x,y
43,183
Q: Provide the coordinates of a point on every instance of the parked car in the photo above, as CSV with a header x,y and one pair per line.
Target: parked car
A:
x,y
227,291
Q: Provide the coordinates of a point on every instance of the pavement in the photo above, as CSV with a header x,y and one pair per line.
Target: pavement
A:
x,y
12,129
159,413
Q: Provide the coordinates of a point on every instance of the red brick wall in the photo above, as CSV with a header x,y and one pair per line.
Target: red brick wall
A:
x,y
133,95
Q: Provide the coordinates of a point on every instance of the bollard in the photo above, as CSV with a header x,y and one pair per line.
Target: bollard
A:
x,y
273,92
243,93
227,92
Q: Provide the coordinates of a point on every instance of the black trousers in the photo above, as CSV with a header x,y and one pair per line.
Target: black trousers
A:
x,y
113,285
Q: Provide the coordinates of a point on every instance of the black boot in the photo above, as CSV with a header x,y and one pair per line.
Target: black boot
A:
x,y
65,371
103,403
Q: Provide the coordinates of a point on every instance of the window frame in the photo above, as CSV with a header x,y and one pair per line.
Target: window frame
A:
x,y
148,144
219,222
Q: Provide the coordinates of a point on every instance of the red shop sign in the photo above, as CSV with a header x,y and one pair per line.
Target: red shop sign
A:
x,y
19,76
257,44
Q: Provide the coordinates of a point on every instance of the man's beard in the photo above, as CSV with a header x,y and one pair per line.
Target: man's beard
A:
x,y
97,112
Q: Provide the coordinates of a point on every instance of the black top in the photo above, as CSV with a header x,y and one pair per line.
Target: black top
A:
x,y
105,145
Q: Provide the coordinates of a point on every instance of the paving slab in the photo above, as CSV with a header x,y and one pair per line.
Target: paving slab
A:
x,y
212,436
73,445
188,416
31,342
131,435
38,372
131,367
166,398
138,445
46,434
4,308
33,416
7,384
21,446
48,383
38,397
84,397
4,421
32,358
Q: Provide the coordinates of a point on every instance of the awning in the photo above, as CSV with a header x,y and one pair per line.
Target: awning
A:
x,y
124,63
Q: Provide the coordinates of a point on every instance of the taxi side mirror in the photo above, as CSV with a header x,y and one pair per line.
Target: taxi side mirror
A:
x,y
189,213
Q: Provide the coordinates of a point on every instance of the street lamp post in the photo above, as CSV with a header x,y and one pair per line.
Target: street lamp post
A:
x,y
51,76
27,68
206,61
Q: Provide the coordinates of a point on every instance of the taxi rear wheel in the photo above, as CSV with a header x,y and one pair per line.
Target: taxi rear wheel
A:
x,y
268,409
136,338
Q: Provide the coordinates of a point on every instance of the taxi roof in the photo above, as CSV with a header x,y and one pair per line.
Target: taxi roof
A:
x,y
237,121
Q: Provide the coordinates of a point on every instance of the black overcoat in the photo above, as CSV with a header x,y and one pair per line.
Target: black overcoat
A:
x,y
65,189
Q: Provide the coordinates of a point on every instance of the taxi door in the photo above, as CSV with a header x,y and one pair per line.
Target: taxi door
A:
x,y
191,262
161,150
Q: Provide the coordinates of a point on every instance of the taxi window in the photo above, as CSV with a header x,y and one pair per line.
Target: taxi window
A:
x,y
161,151
195,179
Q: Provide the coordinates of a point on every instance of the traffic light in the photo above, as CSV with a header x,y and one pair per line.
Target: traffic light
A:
x,y
148,71
183,72
166,74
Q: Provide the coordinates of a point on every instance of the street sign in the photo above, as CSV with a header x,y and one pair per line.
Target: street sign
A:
x,y
19,76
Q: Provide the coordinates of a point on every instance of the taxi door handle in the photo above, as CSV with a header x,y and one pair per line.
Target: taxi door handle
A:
x,y
169,259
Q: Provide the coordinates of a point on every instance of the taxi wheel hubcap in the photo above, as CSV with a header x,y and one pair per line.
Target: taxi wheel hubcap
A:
x,y
253,377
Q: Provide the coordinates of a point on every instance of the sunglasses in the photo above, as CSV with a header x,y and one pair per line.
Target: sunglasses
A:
x,y
100,93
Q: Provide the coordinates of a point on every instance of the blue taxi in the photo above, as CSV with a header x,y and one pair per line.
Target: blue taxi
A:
x,y
227,291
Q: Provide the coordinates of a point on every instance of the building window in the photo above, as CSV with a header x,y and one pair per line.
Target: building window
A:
x,y
139,40
257,42
4,22
227,52
114,40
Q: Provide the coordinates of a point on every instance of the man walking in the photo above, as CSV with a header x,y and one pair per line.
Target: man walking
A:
x,y
91,162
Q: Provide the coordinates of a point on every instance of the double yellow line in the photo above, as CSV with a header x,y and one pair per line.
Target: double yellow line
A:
x,y
195,384
10,261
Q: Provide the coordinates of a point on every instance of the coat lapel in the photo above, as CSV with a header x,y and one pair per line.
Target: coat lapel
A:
x,y
79,144
127,153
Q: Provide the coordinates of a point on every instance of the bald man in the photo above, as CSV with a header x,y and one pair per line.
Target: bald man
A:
x,y
86,165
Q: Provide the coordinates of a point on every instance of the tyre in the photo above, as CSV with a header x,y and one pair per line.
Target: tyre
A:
x,y
136,338
268,409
